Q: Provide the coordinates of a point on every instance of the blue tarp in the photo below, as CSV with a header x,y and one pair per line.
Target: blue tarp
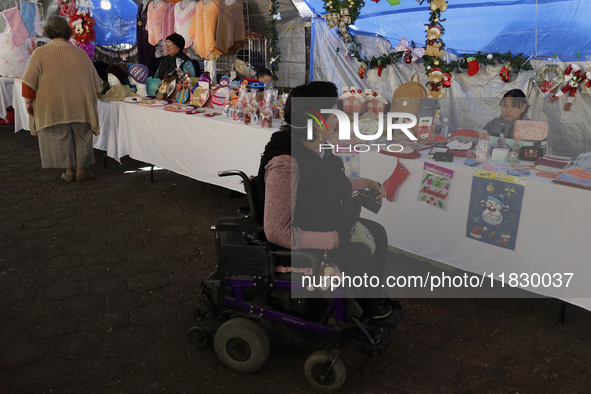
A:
x,y
534,27
117,25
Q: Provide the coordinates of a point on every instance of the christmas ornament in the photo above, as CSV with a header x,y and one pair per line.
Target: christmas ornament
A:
x,y
548,78
433,48
446,80
435,85
407,60
579,77
473,66
342,19
489,57
393,2
440,5
395,180
436,62
505,71
413,53
380,67
377,1
362,69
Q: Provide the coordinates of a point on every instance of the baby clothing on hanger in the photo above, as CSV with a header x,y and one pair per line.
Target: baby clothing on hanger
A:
x,y
154,22
183,19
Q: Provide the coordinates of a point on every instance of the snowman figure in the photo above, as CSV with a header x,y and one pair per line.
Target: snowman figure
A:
x,y
492,209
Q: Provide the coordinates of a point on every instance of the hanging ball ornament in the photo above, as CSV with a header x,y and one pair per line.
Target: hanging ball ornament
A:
x,y
436,62
407,60
436,19
489,56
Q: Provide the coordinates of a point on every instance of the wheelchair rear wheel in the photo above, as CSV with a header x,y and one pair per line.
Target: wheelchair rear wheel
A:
x,y
242,345
315,371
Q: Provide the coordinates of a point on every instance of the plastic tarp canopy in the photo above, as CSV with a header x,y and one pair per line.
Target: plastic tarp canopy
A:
x,y
534,27
470,102
117,25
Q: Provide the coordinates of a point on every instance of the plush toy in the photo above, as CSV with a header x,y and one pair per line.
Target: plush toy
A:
x,y
432,48
438,4
579,77
83,33
435,85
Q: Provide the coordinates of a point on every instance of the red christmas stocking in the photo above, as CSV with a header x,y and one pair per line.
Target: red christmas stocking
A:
x,y
396,179
473,66
505,71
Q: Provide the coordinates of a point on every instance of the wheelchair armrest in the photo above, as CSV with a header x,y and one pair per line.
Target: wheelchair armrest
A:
x,y
238,224
308,257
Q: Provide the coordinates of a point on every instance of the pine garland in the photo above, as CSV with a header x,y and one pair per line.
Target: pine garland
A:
x,y
274,35
518,62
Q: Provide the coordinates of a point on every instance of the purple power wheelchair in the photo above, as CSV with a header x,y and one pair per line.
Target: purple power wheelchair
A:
x,y
245,305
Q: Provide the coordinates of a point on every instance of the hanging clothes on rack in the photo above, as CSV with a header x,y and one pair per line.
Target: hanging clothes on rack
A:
x,y
154,22
28,11
230,33
183,19
19,30
167,20
203,28
145,50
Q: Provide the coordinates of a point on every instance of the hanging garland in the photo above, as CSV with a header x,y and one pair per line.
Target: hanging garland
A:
x,y
515,62
273,47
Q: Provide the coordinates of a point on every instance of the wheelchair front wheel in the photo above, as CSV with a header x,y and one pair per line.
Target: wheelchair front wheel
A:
x,y
242,345
199,336
315,371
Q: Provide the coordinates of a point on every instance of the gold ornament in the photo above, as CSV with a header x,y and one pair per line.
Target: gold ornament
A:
x,y
436,19
436,62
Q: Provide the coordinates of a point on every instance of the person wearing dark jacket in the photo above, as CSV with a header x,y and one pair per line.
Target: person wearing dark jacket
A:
x,y
174,55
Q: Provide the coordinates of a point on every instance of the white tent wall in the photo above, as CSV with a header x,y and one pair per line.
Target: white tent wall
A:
x,y
470,101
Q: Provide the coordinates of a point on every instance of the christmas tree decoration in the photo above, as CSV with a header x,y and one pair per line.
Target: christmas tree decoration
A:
x,y
274,33
407,60
473,66
393,2
380,68
362,69
377,1
395,180
489,57
436,62
440,5
505,71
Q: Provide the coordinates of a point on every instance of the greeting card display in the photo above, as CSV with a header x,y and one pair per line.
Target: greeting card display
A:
x,y
435,185
495,208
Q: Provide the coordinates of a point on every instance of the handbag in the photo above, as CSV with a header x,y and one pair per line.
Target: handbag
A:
x,y
408,96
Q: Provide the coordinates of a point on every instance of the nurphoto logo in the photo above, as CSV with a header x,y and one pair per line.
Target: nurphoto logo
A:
x,y
345,130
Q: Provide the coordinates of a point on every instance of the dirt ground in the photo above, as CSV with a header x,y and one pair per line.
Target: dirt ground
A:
x,y
98,281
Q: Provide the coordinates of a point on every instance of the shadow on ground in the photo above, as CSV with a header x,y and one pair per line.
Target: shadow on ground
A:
x,y
98,281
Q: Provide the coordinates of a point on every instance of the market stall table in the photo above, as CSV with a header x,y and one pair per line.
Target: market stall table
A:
x,y
109,113
553,235
6,95
192,145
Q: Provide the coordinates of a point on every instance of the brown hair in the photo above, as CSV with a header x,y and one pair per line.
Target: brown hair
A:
x,y
57,27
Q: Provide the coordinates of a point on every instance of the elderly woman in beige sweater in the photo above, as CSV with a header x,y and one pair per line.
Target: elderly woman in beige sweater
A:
x,y
61,87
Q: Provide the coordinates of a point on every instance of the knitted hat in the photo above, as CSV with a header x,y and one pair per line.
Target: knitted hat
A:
x,y
101,69
119,71
177,40
139,72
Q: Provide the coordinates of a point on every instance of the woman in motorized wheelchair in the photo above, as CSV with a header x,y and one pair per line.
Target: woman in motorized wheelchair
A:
x,y
309,210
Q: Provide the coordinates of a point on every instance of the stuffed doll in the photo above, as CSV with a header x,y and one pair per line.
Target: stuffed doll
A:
x,y
432,48
435,85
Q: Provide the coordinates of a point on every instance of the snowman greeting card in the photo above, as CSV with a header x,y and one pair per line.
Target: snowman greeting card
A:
x,y
495,208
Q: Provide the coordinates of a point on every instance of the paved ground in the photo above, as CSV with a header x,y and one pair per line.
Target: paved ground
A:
x,y
98,282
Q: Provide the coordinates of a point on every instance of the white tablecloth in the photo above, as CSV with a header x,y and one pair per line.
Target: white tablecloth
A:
x,y
6,92
109,113
192,145
552,237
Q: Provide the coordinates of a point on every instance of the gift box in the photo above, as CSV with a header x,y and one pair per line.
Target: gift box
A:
x,y
354,101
